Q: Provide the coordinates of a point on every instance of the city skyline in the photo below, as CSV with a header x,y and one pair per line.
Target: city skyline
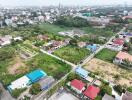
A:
x,y
63,2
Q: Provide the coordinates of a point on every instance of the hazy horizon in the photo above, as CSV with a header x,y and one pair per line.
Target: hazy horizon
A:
x,y
63,2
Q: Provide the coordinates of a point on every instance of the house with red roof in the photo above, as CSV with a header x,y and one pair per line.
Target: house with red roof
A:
x,y
116,44
91,92
77,85
121,56
118,41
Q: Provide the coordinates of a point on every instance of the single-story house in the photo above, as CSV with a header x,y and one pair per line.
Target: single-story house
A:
x,y
91,92
92,47
118,41
108,97
36,75
126,96
5,40
46,82
114,47
19,83
77,85
121,56
82,72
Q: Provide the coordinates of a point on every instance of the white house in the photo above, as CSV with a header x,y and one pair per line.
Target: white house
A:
x,y
22,82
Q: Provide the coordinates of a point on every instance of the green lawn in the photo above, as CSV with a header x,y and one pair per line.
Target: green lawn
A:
x,y
106,55
50,65
72,54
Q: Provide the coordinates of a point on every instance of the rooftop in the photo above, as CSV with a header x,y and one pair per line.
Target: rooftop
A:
x,y
124,55
91,92
118,41
82,71
36,75
78,84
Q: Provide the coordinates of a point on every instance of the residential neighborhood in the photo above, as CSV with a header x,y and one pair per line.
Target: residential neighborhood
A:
x,y
65,50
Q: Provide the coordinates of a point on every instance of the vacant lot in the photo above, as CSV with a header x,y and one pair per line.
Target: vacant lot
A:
x,y
50,65
51,28
106,55
110,71
72,54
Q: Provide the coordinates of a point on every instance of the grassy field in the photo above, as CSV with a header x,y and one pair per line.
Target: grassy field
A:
x,y
97,31
50,65
72,54
51,28
12,69
106,55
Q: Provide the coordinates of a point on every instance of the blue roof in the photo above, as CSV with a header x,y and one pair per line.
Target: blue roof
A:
x,y
35,76
92,47
82,72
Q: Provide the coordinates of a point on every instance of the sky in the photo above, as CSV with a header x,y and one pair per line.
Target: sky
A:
x,y
63,2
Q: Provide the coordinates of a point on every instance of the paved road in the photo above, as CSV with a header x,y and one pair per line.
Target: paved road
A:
x,y
101,47
5,94
67,62
42,94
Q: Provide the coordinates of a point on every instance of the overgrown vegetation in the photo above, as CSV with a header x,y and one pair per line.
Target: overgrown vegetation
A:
x,y
35,89
70,21
50,65
72,53
16,93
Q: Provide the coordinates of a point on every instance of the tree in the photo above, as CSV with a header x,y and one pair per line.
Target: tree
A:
x,y
106,89
118,88
73,42
72,76
129,89
6,53
35,89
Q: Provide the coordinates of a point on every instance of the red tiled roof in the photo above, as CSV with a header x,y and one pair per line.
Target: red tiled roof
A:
x,y
124,55
118,41
91,92
77,84
127,17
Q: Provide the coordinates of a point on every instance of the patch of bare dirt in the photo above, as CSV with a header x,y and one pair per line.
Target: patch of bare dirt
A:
x,y
110,71
17,67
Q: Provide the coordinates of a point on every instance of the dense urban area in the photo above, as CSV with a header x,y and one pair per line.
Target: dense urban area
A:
x,y
66,53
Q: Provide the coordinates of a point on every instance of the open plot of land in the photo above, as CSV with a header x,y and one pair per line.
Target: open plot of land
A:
x,y
98,31
110,71
17,67
51,28
26,52
72,54
106,55
50,65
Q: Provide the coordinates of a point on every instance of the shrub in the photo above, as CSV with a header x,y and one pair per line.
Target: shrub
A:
x,y
35,89
105,89
16,93
129,89
118,88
